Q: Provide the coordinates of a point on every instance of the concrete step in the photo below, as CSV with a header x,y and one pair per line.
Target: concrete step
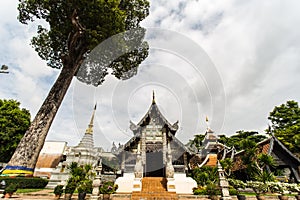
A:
x,y
154,188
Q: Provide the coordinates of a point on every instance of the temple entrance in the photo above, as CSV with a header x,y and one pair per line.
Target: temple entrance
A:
x,y
154,165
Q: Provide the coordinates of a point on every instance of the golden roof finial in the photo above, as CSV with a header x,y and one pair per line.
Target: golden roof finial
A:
x,y
89,130
153,97
208,125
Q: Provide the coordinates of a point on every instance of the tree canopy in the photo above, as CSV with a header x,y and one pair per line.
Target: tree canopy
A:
x,y
230,141
285,120
77,27
14,121
241,135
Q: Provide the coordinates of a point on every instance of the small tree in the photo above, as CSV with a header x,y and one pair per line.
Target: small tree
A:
x,y
205,175
81,176
285,120
14,121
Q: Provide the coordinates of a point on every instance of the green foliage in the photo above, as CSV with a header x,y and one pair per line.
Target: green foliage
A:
x,y
205,175
197,141
81,178
258,187
58,190
265,160
237,140
11,188
77,27
265,176
212,189
233,191
286,125
227,164
71,186
231,141
14,122
108,188
237,183
26,182
199,191
85,186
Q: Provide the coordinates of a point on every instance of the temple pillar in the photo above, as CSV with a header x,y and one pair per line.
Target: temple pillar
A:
x,y
123,161
143,148
138,174
164,137
185,162
170,172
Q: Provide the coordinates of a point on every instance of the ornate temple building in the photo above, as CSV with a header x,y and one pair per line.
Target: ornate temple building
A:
x,y
154,151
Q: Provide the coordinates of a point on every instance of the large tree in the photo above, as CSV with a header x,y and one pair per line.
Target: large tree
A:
x,y
285,120
14,121
73,29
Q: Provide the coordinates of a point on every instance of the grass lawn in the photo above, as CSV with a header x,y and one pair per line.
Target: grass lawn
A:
x,y
29,190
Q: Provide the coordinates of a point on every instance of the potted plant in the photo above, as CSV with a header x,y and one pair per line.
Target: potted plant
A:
x,y
259,188
70,188
58,190
10,189
107,188
84,187
238,184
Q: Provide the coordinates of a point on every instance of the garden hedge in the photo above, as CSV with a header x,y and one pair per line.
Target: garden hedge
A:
x,y
26,182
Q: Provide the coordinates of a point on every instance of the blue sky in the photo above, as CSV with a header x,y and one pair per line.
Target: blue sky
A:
x,y
248,62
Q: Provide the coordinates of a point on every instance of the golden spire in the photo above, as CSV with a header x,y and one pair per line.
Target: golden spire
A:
x,y
208,125
153,98
89,130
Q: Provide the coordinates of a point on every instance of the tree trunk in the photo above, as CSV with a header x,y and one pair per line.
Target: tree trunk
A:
x,y
25,157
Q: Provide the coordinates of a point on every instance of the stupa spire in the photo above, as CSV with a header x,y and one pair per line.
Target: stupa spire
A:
x,y
89,130
87,140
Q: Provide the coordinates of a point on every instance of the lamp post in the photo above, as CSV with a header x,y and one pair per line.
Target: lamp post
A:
x,y
3,69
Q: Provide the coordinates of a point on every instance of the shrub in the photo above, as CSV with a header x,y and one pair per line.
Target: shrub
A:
x,y
85,186
233,191
108,188
258,187
70,187
11,188
212,189
26,182
199,191
58,190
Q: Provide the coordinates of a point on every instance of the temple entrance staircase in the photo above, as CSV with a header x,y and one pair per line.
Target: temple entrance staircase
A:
x,y
154,188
